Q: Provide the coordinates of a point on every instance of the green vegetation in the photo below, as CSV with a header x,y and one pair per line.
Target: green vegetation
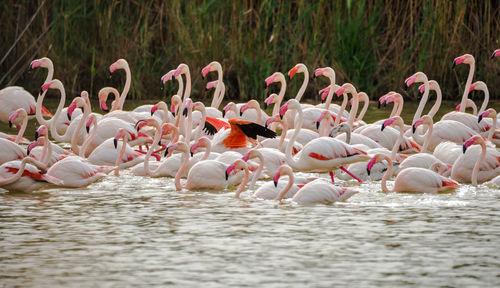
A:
x,y
373,44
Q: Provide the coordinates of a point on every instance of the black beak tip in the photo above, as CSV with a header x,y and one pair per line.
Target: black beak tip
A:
x,y
368,171
478,118
420,94
152,113
241,113
227,176
10,124
223,113
281,117
453,65
192,154
69,116
317,124
106,110
185,112
265,105
413,129
385,104
36,135
314,76
41,91
275,184
173,77
265,125
28,151
464,148
492,55
382,129
88,129
115,142
378,104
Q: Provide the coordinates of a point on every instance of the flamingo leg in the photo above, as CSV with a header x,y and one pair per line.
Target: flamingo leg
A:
x,y
331,173
350,174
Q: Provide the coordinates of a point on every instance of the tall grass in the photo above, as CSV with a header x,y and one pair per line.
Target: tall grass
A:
x,y
373,44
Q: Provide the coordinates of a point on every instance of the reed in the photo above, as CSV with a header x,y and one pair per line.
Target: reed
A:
x,y
373,44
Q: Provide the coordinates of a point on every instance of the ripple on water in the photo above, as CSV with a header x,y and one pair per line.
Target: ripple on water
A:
x,y
135,231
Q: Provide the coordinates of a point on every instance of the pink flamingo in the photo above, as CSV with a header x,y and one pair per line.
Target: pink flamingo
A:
x,y
282,142
259,116
271,190
494,133
476,164
413,179
322,154
213,110
495,53
314,192
24,175
20,119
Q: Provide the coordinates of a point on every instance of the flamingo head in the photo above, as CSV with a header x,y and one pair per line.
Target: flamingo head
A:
x,y
426,119
170,149
340,91
154,109
283,110
410,80
31,146
188,105
371,163
182,68
323,93
270,99
293,71
476,139
318,72
276,177
42,130
320,118
227,108
119,134
271,120
466,58
211,84
496,53
421,90
472,87
47,85
270,79
388,122
205,70
14,116
243,108
491,113
119,64
102,103
168,76
342,127
194,147
230,170
90,120
237,165
71,109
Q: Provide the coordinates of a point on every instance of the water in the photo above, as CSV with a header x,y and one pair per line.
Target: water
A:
x,y
135,231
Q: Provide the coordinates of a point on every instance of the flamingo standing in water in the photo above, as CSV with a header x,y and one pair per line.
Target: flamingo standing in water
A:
x,y
412,179
24,175
316,191
271,190
493,133
323,154
476,164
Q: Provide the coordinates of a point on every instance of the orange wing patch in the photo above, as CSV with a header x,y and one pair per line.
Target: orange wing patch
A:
x,y
33,175
318,156
450,184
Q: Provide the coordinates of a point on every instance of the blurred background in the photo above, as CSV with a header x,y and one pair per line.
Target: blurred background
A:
x,y
373,44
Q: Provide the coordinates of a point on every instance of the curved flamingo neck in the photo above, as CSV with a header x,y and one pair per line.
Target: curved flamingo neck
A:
x,y
342,108
288,186
89,139
437,104
156,139
47,151
76,133
257,173
288,151
39,100
284,130
395,148
366,102
243,183
19,173
303,87
279,99
183,168
428,136
354,108
53,128
486,99
216,99
199,129
423,101
126,88
493,127
475,170
208,150
329,97
122,152
221,94
387,174
21,131
467,86
116,103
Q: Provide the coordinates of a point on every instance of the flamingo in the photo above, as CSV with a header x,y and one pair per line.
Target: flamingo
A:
x,y
476,164
413,179
314,192
480,85
493,133
495,53
24,175
352,138
323,154
444,130
466,118
270,190
213,111
20,119
259,116
270,159
208,174
278,143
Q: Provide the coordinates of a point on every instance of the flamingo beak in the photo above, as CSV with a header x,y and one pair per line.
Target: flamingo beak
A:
x,y
413,128
10,124
383,127
276,178
115,142
227,176
478,118
69,116
464,148
453,67
185,112
161,84
87,128
275,183
317,125
36,135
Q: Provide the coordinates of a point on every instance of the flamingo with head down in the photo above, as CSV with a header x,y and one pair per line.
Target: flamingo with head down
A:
x,y
24,175
413,179
313,192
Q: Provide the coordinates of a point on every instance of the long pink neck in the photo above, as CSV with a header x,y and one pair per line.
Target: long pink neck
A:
x,y
428,136
156,139
475,170
39,100
128,80
89,139
485,101
182,169
20,134
303,87
366,103
284,129
216,100
279,99
120,155
437,104
467,86
47,151
386,176
288,186
256,175
75,136
395,148
19,173
341,110
354,109
243,183
493,128
423,101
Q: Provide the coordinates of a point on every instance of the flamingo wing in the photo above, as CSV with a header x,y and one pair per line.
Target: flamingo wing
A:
x,y
251,129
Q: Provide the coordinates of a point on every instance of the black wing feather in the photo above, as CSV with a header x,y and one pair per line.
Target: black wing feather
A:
x,y
209,128
254,129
